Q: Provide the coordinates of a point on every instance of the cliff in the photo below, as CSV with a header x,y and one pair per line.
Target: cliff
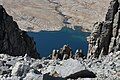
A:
x,y
14,41
105,37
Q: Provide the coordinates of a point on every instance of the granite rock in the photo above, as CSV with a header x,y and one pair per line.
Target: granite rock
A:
x,y
105,35
14,41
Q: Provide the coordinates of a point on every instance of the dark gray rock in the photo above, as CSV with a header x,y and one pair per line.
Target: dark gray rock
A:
x,y
105,37
48,77
112,10
82,74
14,41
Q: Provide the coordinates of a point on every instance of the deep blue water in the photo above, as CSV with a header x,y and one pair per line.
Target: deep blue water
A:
x,y
46,41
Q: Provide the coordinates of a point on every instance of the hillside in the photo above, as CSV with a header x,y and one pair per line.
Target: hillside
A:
x,y
39,15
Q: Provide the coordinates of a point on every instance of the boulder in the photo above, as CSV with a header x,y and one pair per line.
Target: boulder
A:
x,y
4,70
48,77
36,65
78,54
20,69
82,74
32,76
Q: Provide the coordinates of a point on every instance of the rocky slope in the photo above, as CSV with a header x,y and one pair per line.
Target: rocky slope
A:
x,y
14,41
26,68
39,15
103,62
105,37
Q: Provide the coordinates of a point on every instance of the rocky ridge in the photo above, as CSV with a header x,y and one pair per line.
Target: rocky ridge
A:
x,y
14,41
105,37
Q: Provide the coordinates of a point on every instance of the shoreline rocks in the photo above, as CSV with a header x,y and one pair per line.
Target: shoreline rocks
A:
x,y
66,53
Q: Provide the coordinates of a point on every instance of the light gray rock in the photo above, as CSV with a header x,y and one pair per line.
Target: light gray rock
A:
x,y
36,65
20,69
32,76
4,70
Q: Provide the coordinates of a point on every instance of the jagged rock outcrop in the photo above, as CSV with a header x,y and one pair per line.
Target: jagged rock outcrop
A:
x,y
105,37
62,54
79,54
65,53
14,41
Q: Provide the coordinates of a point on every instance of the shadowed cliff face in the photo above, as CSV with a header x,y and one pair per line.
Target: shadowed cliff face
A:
x,y
105,37
13,41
